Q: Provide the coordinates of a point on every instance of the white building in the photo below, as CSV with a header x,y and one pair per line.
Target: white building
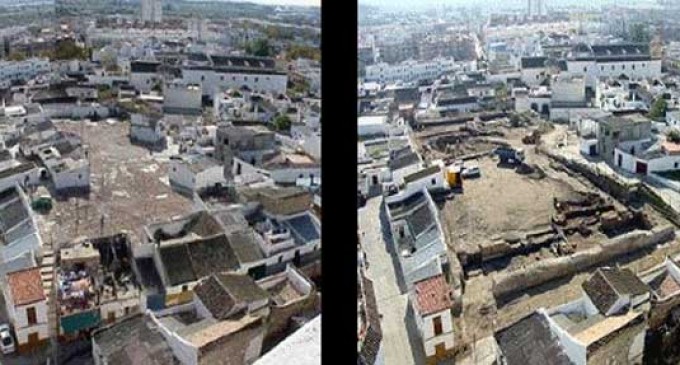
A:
x,y
152,11
13,71
144,75
195,173
20,230
612,60
431,178
146,129
432,301
413,71
26,305
182,98
372,126
568,89
69,174
236,72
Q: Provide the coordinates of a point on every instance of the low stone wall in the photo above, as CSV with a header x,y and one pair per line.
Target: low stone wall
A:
x,y
551,269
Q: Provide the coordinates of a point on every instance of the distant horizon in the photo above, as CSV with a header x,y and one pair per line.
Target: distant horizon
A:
x,y
315,3
428,4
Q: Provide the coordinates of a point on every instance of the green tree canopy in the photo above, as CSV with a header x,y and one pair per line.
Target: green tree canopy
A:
x,y
282,123
673,135
658,109
297,51
260,48
638,32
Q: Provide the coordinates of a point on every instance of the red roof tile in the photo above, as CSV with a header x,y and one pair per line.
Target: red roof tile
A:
x,y
26,286
433,295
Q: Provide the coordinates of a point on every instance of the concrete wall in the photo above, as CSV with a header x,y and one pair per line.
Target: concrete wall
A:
x,y
633,69
212,81
182,349
32,175
242,347
428,336
290,175
573,349
427,182
546,270
76,178
118,308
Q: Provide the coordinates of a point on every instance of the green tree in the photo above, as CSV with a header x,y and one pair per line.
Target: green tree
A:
x,y
282,123
16,56
260,48
658,109
296,52
638,32
69,50
673,135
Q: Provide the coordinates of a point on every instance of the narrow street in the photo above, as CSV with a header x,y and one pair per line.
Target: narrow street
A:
x,y
401,344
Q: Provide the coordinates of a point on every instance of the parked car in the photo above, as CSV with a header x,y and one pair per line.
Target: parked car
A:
x,y
6,339
471,170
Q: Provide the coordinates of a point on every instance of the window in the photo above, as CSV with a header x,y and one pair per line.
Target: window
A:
x,y
623,67
301,176
675,165
585,69
245,78
438,329
80,176
202,78
434,181
256,79
226,141
185,288
222,77
613,67
601,68
233,78
632,66
643,65
30,314
174,169
280,259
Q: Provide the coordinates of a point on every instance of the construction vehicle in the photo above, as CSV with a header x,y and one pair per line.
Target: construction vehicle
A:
x,y
453,176
509,154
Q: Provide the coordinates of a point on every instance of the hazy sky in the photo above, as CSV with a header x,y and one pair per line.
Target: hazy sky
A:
x,y
503,3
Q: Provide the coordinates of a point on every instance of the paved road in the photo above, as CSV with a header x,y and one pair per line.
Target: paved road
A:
x,y
400,342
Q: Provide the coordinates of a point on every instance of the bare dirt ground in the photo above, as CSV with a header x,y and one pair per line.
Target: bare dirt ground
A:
x,y
129,188
501,200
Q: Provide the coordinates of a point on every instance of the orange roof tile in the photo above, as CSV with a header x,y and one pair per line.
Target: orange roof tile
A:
x,y
671,148
26,286
433,295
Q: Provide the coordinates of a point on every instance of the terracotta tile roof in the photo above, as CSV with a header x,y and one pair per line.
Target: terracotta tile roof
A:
x,y
433,295
26,286
671,148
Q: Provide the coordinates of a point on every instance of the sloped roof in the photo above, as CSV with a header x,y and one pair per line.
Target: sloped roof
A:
x,y
135,340
433,295
533,62
26,286
221,292
530,341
